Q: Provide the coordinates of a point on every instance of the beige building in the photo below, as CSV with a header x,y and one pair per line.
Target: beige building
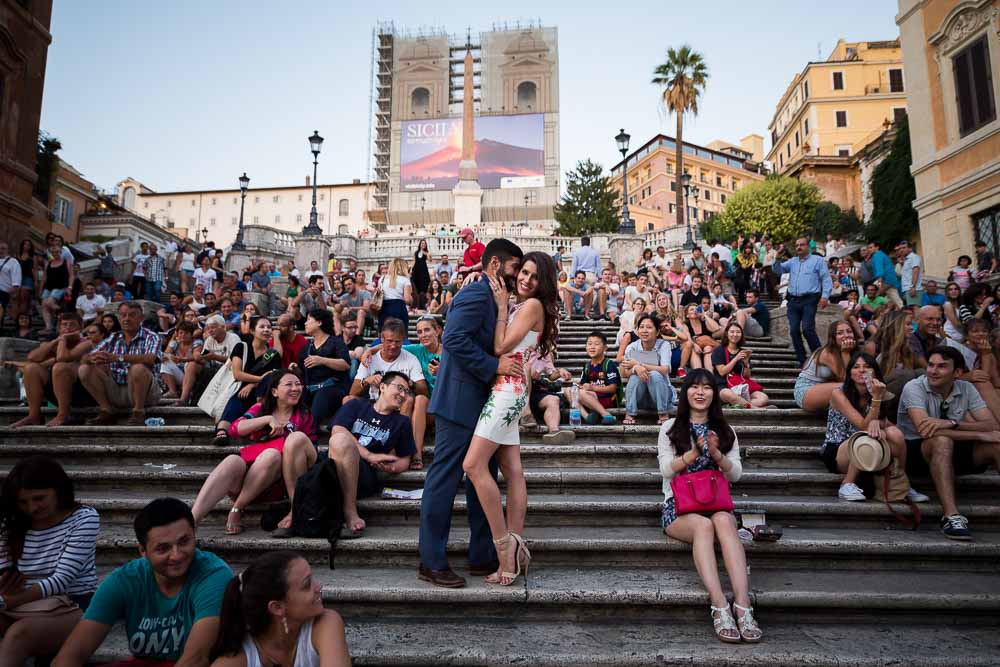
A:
x,y
417,122
715,175
214,214
952,55
834,108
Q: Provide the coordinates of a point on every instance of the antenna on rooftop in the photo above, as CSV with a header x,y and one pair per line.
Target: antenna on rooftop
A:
x,y
819,51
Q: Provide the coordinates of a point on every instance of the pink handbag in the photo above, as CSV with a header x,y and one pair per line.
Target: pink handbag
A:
x,y
704,491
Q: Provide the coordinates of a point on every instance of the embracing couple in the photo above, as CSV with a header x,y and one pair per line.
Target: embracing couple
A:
x,y
480,393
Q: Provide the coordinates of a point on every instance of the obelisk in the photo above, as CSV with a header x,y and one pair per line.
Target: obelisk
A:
x,y
467,193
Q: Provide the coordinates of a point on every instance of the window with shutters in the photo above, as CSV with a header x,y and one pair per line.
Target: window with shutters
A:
x,y
344,208
805,127
898,114
841,118
974,87
838,80
986,227
895,81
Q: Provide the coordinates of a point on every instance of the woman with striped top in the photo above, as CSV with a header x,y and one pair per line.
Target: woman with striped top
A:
x,y
47,549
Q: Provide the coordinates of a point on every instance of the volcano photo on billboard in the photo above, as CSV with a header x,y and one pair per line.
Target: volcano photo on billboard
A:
x,y
509,152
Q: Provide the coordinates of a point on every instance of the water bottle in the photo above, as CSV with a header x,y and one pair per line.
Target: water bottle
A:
x,y
574,406
155,422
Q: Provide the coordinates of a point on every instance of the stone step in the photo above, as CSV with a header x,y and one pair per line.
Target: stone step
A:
x,y
578,455
613,547
202,435
662,595
378,640
589,510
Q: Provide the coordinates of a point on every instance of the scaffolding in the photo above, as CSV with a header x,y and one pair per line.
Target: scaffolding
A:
x,y
380,123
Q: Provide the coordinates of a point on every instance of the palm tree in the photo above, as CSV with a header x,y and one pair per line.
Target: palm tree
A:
x,y
683,76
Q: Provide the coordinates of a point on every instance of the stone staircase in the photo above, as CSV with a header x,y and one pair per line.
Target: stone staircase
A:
x,y
847,583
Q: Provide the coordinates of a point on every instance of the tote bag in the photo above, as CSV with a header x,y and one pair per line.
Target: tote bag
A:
x,y
222,387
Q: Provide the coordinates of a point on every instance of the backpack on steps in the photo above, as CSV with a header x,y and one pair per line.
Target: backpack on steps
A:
x,y
318,509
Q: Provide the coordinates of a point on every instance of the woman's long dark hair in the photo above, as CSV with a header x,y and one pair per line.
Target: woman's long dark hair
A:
x,y
849,388
36,473
548,294
680,432
832,348
31,249
269,402
244,602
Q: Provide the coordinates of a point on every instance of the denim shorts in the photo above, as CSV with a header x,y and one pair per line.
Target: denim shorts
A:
x,y
799,392
56,294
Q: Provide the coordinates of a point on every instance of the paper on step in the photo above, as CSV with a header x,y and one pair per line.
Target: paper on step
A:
x,y
164,466
400,494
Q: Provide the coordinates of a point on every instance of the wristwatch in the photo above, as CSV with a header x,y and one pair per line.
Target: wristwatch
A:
x,y
954,424
121,358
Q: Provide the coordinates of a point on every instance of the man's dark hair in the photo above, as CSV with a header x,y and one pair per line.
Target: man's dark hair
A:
x,y
980,244
130,305
503,250
949,354
580,273
393,325
584,240
392,375
75,316
598,335
325,319
315,279
754,292
160,512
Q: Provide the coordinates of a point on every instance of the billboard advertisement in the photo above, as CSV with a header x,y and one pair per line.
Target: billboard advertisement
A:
x,y
509,152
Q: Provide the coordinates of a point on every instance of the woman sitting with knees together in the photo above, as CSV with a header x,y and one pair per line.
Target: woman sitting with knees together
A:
x,y
985,373
646,370
180,351
260,361
626,324
824,371
857,406
282,434
47,549
700,439
731,362
324,364
695,332
272,614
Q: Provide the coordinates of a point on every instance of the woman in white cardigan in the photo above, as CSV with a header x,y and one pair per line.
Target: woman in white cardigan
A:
x,y
700,439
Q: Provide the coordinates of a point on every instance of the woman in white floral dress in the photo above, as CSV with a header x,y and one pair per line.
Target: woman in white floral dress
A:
x,y
529,328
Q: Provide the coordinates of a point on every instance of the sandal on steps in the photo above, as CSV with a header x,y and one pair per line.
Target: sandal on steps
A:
x,y
234,528
725,626
523,555
221,438
749,630
500,577
628,421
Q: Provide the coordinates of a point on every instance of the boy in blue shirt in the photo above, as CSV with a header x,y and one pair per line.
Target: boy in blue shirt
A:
x,y
600,383
168,599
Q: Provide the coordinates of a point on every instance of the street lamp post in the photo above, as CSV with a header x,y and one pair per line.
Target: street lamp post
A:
x,y
525,223
204,235
686,184
315,144
627,225
244,184
423,204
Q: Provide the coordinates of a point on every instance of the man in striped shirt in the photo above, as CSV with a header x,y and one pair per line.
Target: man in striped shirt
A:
x,y
156,269
124,370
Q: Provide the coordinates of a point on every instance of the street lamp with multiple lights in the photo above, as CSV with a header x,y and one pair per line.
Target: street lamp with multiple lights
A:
x,y
244,185
628,225
313,228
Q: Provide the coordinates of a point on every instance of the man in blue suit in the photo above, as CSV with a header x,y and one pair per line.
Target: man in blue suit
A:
x,y
464,381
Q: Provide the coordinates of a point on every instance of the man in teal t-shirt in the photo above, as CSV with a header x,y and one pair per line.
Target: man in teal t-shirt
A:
x,y
168,600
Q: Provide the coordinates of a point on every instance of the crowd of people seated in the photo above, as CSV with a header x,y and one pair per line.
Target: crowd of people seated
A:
x,y
903,362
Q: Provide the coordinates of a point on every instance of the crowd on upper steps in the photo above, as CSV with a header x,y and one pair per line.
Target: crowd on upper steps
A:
x,y
910,367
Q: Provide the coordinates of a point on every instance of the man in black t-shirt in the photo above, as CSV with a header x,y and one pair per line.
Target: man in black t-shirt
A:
x,y
368,438
355,343
696,293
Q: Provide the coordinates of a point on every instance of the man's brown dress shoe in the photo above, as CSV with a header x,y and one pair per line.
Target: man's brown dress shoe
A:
x,y
443,578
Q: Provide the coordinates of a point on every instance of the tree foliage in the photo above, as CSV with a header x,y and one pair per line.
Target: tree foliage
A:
x,y
683,76
893,191
590,205
780,207
46,162
831,219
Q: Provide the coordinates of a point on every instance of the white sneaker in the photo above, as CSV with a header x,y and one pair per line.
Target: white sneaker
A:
x,y
916,496
851,492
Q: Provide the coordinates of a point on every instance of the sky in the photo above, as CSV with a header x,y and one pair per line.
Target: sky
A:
x,y
189,94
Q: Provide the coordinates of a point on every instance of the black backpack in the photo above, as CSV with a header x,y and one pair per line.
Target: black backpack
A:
x,y
318,510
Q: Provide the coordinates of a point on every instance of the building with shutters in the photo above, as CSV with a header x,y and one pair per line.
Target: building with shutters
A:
x,y
951,52
834,108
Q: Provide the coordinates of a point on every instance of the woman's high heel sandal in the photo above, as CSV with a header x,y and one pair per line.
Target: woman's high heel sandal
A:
x,y
523,555
500,577
749,630
725,626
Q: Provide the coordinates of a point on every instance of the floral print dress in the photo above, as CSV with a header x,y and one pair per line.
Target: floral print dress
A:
x,y
500,417
703,462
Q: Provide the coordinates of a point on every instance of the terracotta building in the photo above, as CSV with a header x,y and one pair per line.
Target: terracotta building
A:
x,y
952,55
24,45
70,197
834,108
715,175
